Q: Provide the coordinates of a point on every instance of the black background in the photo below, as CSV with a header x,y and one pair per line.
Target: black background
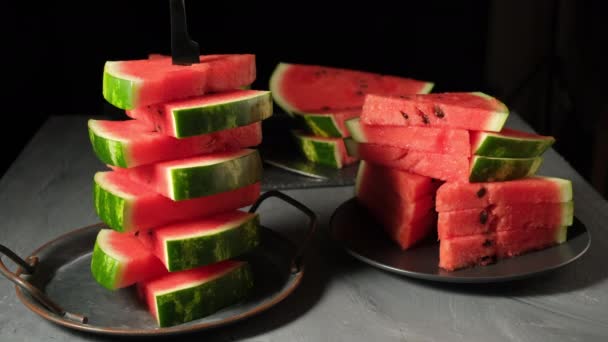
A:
x,y
56,50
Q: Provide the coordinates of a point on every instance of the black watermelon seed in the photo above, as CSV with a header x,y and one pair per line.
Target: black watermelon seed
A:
x,y
137,233
488,258
359,92
425,119
325,108
483,217
438,112
404,114
488,243
481,192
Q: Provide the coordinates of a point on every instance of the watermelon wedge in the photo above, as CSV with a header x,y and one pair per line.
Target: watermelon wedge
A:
x,y
128,207
306,88
510,143
401,202
328,124
133,143
120,260
206,114
325,151
486,169
485,249
136,83
424,139
530,190
503,217
182,297
472,111
200,176
188,244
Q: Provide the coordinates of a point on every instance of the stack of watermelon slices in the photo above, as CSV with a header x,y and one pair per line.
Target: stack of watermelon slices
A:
x,y
180,169
321,99
492,204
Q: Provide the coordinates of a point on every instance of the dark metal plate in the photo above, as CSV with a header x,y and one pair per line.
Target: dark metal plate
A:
x,y
64,275
364,238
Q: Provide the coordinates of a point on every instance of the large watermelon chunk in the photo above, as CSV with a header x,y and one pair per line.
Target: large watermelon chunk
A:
x,y
329,124
120,260
308,88
473,111
485,249
181,297
401,202
424,139
536,189
510,143
205,175
127,207
132,143
208,113
136,83
325,151
503,217
188,244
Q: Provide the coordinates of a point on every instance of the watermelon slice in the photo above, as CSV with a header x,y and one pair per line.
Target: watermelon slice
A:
x,y
136,83
132,143
510,143
207,114
530,190
188,244
424,139
194,177
306,88
120,260
329,124
401,202
486,169
325,151
497,218
485,249
181,297
472,111
127,207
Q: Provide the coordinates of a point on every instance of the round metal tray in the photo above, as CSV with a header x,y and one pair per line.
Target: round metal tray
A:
x,y
364,238
55,282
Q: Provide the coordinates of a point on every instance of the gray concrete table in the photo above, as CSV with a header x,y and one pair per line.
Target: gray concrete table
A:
x,y
47,192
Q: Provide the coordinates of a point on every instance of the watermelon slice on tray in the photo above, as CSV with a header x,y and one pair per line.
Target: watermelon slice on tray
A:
x,y
325,151
131,143
126,206
136,83
510,143
200,176
181,297
188,244
472,111
120,260
206,114
307,88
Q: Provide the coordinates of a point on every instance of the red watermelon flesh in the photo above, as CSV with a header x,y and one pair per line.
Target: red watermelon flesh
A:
x,y
401,202
536,189
139,143
472,111
484,249
305,88
498,218
435,165
424,139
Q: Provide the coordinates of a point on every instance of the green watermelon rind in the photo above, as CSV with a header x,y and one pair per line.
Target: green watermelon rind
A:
x,y
352,147
275,78
229,241
318,151
495,145
187,182
106,270
119,90
108,150
219,116
499,116
323,125
187,304
354,127
111,207
487,169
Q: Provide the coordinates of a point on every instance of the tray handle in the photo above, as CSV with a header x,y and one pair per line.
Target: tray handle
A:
x,y
296,262
28,266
